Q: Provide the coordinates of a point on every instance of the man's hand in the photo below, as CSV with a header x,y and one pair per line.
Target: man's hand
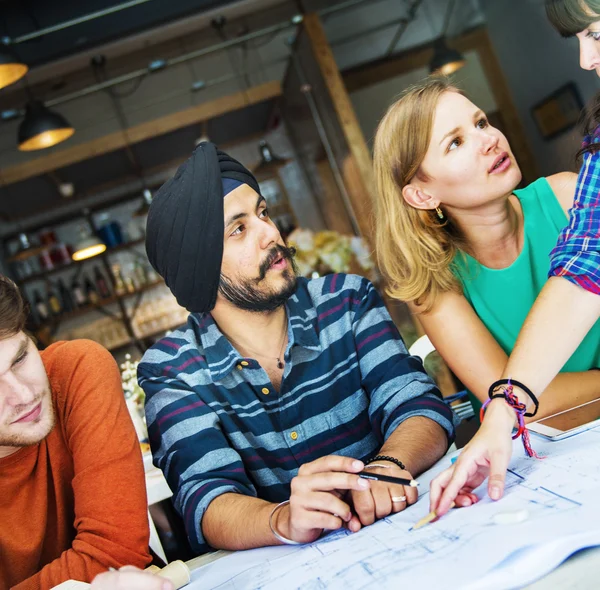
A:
x,y
489,452
130,578
316,499
381,499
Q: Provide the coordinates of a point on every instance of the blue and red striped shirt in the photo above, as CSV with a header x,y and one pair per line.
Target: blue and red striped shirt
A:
x,y
217,425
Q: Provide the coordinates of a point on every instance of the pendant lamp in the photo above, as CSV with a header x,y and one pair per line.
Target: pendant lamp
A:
x,y
42,128
269,162
87,246
445,61
11,67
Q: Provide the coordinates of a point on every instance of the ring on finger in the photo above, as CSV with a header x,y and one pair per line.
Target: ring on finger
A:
x,y
396,499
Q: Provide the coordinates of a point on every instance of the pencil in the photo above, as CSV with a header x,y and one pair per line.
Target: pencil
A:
x,y
401,481
427,519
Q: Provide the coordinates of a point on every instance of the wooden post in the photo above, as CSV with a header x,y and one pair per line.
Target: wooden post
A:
x,y
357,169
357,146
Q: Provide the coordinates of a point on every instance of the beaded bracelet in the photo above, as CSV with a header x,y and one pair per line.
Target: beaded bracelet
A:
x,y
279,537
519,407
387,458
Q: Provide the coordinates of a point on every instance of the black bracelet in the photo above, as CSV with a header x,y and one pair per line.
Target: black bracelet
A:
x,y
518,384
386,458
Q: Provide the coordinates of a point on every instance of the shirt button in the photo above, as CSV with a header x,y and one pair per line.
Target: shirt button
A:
x,y
294,435
244,363
239,367
265,391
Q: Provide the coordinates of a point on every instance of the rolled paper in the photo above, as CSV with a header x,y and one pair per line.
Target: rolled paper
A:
x,y
152,569
177,572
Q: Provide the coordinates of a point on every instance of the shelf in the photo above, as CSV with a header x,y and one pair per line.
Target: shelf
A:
x,y
146,336
102,303
40,276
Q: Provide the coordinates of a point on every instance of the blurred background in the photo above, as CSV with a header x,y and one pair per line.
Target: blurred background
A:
x,y
103,100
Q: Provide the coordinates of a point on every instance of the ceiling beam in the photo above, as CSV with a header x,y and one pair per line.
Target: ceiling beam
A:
x,y
119,139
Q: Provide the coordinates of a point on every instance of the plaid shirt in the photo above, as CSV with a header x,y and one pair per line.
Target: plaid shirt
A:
x,y
216,424
576,256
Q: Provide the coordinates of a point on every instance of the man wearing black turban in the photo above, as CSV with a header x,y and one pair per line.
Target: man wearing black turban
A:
x,y
279,390
184,235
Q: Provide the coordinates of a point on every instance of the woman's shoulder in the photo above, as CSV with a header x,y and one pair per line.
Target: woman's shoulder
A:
x,y
563,186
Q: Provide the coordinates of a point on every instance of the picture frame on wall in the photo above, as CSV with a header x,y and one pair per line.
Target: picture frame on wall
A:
x,y
558,112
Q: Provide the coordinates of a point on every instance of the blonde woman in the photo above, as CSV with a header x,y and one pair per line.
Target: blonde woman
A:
x,y
465,249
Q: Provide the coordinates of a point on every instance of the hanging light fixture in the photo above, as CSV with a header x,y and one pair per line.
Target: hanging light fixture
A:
x,y
87,246
11,67
145,206
42,128
445,61
25,250
269,162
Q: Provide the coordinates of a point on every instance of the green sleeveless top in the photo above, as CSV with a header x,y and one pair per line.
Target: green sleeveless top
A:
x,y
502,298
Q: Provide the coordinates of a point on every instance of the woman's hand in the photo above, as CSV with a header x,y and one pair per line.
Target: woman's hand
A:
x,y
488,453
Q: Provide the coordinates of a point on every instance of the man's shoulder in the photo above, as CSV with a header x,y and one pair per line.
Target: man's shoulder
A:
x,y
175,347
333,286
67,355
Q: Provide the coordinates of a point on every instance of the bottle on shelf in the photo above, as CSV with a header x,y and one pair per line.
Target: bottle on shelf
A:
x,y
102,287
41,307
91,294
140,274
120,287
78,293
129,278
65,296
151,275
53,301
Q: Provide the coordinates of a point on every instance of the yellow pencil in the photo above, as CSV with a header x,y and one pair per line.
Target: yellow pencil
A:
x,y
427,519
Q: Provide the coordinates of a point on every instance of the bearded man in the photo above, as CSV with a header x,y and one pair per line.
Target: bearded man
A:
x,y
279,390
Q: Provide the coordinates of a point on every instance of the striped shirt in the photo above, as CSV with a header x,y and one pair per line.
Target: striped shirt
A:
x,y
216,424
576,256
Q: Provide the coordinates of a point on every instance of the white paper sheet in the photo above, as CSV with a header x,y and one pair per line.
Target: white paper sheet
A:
x,y
464,549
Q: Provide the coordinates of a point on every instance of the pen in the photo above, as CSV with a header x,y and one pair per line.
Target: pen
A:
x,y
402,481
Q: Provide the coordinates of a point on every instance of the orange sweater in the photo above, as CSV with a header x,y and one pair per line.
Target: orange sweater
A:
x,y
75,504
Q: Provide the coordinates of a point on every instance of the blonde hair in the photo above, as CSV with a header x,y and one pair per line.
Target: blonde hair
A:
x,y
414,250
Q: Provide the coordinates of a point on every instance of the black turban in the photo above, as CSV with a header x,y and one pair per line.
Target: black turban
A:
x,y
184,233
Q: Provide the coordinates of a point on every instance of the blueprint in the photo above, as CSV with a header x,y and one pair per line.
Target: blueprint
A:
x,y
549,511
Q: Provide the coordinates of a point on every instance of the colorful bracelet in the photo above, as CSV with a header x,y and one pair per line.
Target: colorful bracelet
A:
x,y
510,383
519,407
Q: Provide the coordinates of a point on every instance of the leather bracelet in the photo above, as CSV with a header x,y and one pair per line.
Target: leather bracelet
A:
x,y
279,537
387,458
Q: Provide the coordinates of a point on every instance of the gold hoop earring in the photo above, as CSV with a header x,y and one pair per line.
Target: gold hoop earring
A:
x,y
439,212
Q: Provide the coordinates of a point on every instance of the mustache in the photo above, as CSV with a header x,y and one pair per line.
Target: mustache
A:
x,y
276,252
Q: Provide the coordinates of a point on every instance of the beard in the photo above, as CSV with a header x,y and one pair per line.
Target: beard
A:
x,y
35,431
245,293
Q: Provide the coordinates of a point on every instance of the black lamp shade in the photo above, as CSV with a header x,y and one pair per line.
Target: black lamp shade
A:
x,y
11,68
445,60
42,128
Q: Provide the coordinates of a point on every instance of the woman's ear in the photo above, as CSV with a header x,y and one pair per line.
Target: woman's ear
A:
x,y
416,197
